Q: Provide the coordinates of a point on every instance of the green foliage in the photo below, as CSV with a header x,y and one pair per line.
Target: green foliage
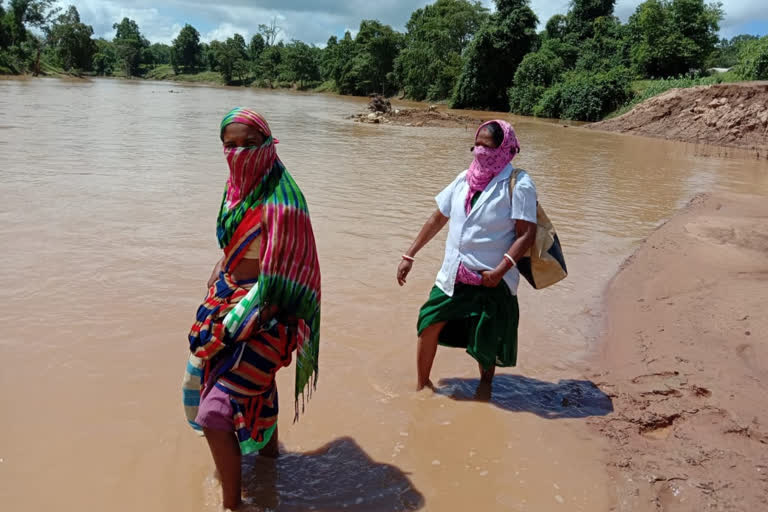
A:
x,y
21,49
105,58
583,14
186,54
430,62
5,31
536,73
727,52
606,48
365,64
753,60
230,58
301,64
493,56
586,96
71,43
166,72
557,27
256,46
270,64
371,69
672,37
129,46
159,54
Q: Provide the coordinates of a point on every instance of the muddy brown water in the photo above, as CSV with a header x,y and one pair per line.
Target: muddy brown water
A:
x,y
109,195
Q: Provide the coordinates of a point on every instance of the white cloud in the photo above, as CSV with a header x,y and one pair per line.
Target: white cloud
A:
x,y
313,21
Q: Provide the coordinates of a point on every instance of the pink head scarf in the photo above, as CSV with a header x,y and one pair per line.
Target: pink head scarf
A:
x,y
489,162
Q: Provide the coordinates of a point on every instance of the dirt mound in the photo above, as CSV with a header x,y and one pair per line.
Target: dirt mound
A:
x,y
734,115
380,111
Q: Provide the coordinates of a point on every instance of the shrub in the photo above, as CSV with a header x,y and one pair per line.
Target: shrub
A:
x,y
753,60
536,72
586,96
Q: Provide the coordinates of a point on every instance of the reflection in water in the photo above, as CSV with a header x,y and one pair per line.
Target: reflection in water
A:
x,y
564,399
340,475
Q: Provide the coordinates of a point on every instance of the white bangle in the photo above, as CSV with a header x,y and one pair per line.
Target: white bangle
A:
x,y
510,259
409,258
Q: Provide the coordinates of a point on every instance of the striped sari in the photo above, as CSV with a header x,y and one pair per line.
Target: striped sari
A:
x,y
243,362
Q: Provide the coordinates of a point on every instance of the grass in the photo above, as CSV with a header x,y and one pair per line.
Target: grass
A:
x,y
165,72
329,86
646,89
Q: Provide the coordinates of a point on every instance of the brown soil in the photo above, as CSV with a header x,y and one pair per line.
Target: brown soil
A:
x,y
686,359
734,115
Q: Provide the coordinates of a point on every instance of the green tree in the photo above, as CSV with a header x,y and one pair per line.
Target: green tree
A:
x,y
270,64
493,56
5,32
672,37
753,60
370,68
230,58
129,46
534,75
607,48
557,27
25,14
105,61
301,64
160,54
727,52
583,13
336,57
437,35
186,53
256,46
71,42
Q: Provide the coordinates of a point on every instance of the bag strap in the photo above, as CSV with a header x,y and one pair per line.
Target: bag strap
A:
x,y
513,183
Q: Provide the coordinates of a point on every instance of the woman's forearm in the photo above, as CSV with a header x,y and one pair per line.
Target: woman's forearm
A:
x,y
526,237
430,229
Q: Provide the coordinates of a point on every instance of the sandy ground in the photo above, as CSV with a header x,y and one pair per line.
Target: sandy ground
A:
x,y
733,115
685,359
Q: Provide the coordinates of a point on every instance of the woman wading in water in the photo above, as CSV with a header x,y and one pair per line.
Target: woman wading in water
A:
x,y
263,304
473,304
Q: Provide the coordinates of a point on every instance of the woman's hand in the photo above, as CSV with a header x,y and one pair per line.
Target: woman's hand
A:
x,y
215,273
492,278
402,271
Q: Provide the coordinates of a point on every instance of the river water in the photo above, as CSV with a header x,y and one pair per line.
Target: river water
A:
x,y
109,195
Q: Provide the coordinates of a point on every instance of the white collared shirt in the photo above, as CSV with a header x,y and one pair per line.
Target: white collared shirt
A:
x,y
480,239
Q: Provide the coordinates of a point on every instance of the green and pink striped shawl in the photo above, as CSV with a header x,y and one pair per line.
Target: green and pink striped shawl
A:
x,y
290,271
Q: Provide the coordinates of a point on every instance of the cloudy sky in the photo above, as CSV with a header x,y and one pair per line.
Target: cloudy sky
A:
x,y
313,21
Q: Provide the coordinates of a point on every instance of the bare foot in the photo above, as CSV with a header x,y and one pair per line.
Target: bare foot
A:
x,y
427,384
483,392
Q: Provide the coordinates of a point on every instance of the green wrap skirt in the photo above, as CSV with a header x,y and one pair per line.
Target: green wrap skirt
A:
x,y
481,320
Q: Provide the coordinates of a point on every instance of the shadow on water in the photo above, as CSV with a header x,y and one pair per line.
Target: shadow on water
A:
x,y
516,393
338,476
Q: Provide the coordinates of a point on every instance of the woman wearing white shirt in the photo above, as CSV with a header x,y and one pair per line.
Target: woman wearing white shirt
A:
x,y
491,227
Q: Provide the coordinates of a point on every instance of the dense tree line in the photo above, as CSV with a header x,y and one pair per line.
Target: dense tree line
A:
x,y
580,66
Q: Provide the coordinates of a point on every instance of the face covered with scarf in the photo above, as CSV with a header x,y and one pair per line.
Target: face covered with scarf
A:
x,y
491,155
250,152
